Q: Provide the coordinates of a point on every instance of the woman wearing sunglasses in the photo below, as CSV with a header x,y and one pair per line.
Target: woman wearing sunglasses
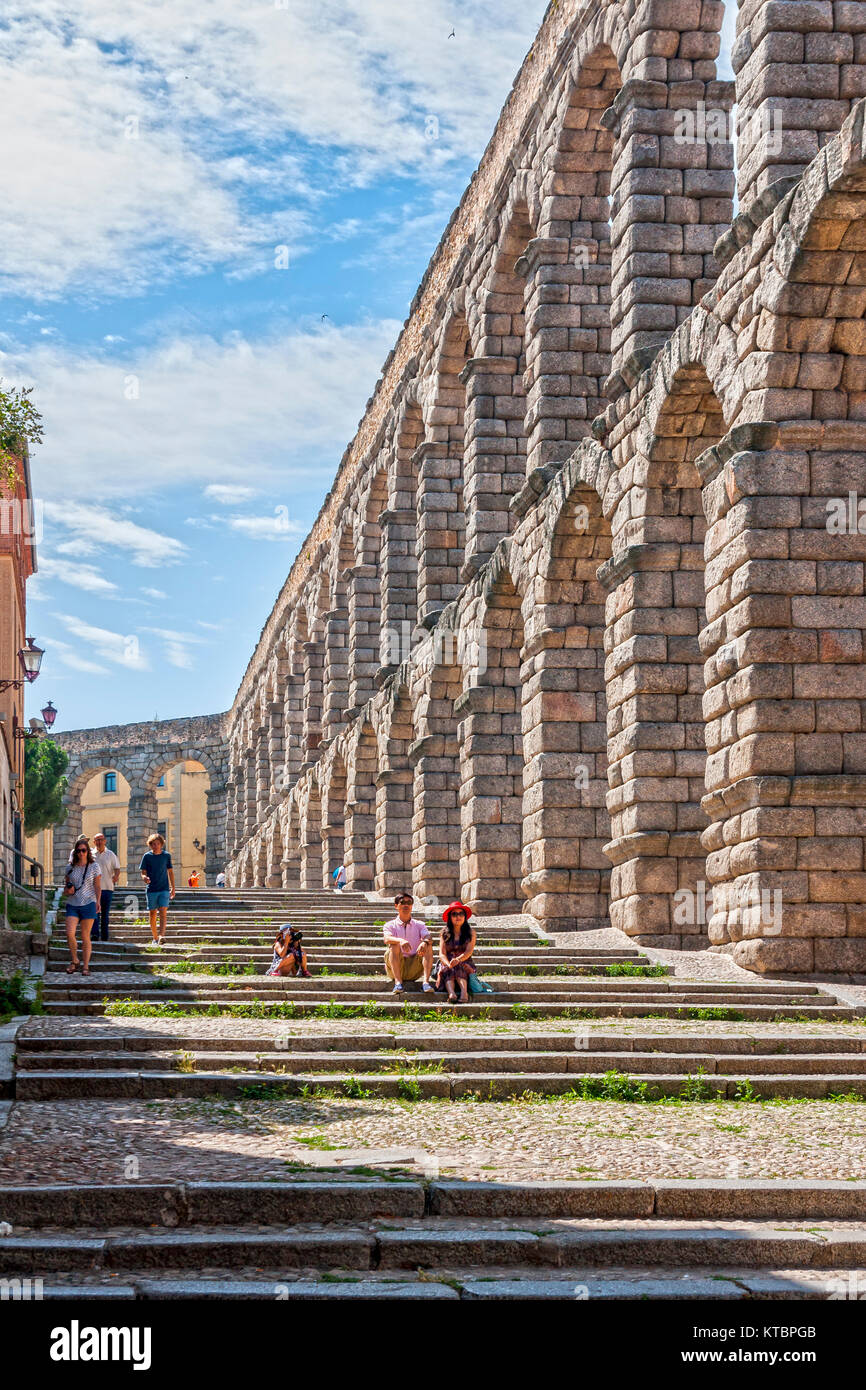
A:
x,y
83,888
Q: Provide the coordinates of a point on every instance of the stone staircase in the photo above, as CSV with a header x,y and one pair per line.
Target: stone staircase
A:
x,y
386,1051
533,978
403,1239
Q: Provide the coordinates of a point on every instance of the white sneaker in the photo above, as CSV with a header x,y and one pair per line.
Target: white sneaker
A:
x,y
427,987
398,988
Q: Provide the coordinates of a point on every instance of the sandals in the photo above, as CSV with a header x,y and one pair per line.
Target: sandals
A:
x,y
71,969
85,970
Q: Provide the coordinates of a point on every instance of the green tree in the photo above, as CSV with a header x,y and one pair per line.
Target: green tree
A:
x,y
20,426
44,784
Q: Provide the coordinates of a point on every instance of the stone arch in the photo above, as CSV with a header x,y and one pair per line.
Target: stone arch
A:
x,y
441,515
291,865
334,799
361,810
367,594
495,414
394,792
435,757
657,748
491,738
566,873
399,554
78,773
337,633
311,837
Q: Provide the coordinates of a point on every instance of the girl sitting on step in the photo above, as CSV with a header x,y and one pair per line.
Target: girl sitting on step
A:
x,y
289,957
455,953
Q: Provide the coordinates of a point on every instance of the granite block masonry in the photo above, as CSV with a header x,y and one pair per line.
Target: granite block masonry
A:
x,y
579,628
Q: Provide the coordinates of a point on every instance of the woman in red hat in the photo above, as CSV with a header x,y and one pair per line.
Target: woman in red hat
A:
x,y
455,953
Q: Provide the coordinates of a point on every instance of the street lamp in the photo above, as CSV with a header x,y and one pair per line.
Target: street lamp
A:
x,y
30,657
49,714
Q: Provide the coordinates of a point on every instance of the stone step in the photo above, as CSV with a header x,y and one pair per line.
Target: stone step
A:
x,y
721,1046
439,1243
145,1084
661,987
334,958
848,1064
92,1005
351,1199
521,1284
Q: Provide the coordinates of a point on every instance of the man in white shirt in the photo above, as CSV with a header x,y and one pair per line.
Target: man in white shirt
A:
x,y
109,869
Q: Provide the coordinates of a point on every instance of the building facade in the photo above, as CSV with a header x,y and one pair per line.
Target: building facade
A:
x,y
168,773
18,535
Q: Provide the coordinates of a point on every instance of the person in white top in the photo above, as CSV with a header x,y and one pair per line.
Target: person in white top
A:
x,y
109,870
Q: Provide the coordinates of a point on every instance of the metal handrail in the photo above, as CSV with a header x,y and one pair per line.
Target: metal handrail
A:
x,y
21,887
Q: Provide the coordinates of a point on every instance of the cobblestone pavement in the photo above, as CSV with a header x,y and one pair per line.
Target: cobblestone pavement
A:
x,y
218,1140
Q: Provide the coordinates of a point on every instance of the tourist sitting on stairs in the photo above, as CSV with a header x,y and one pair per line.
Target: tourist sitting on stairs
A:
x,y
289,957
408,949
455,953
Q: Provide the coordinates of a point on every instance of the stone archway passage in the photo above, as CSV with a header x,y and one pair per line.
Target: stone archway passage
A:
x,y
139,751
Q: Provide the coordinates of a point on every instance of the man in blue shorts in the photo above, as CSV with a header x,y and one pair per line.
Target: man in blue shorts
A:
x,y
158,874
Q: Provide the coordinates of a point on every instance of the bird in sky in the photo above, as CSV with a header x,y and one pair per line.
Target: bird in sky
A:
x,y
453,34
325,316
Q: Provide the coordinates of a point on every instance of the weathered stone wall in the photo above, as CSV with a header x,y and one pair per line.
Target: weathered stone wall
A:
x,y
573,629
142,753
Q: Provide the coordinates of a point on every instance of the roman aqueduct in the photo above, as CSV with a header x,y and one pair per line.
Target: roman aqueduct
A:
x,y
572,631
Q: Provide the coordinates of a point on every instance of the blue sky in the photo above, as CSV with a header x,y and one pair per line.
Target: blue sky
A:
x,y
215,216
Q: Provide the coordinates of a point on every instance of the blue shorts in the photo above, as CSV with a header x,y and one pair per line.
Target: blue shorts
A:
x,y
84,912
155,900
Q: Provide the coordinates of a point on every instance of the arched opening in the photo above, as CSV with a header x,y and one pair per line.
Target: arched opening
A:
x,y
179,787
394,801
311,840
334,821
436,757
366,596
361,813
566,874
495,466
336,692
441,520
658,751
400,546
578,191
291,865
492,758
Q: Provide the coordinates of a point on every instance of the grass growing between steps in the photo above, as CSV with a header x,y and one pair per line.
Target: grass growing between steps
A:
x,y
611,1086
409,1013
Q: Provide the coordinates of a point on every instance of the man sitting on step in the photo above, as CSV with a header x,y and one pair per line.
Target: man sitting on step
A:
x,y
408,948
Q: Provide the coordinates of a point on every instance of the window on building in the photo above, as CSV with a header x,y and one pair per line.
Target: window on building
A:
x,y
110,833
162,829
109,782
161,782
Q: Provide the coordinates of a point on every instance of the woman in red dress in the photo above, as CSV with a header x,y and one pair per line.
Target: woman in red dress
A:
x,y
455,953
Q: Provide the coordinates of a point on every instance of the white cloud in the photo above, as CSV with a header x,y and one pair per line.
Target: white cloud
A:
x,y
268,528
175,646
154,593
97,528
121,649
71,657
170,143
229,495
80,576
264,410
